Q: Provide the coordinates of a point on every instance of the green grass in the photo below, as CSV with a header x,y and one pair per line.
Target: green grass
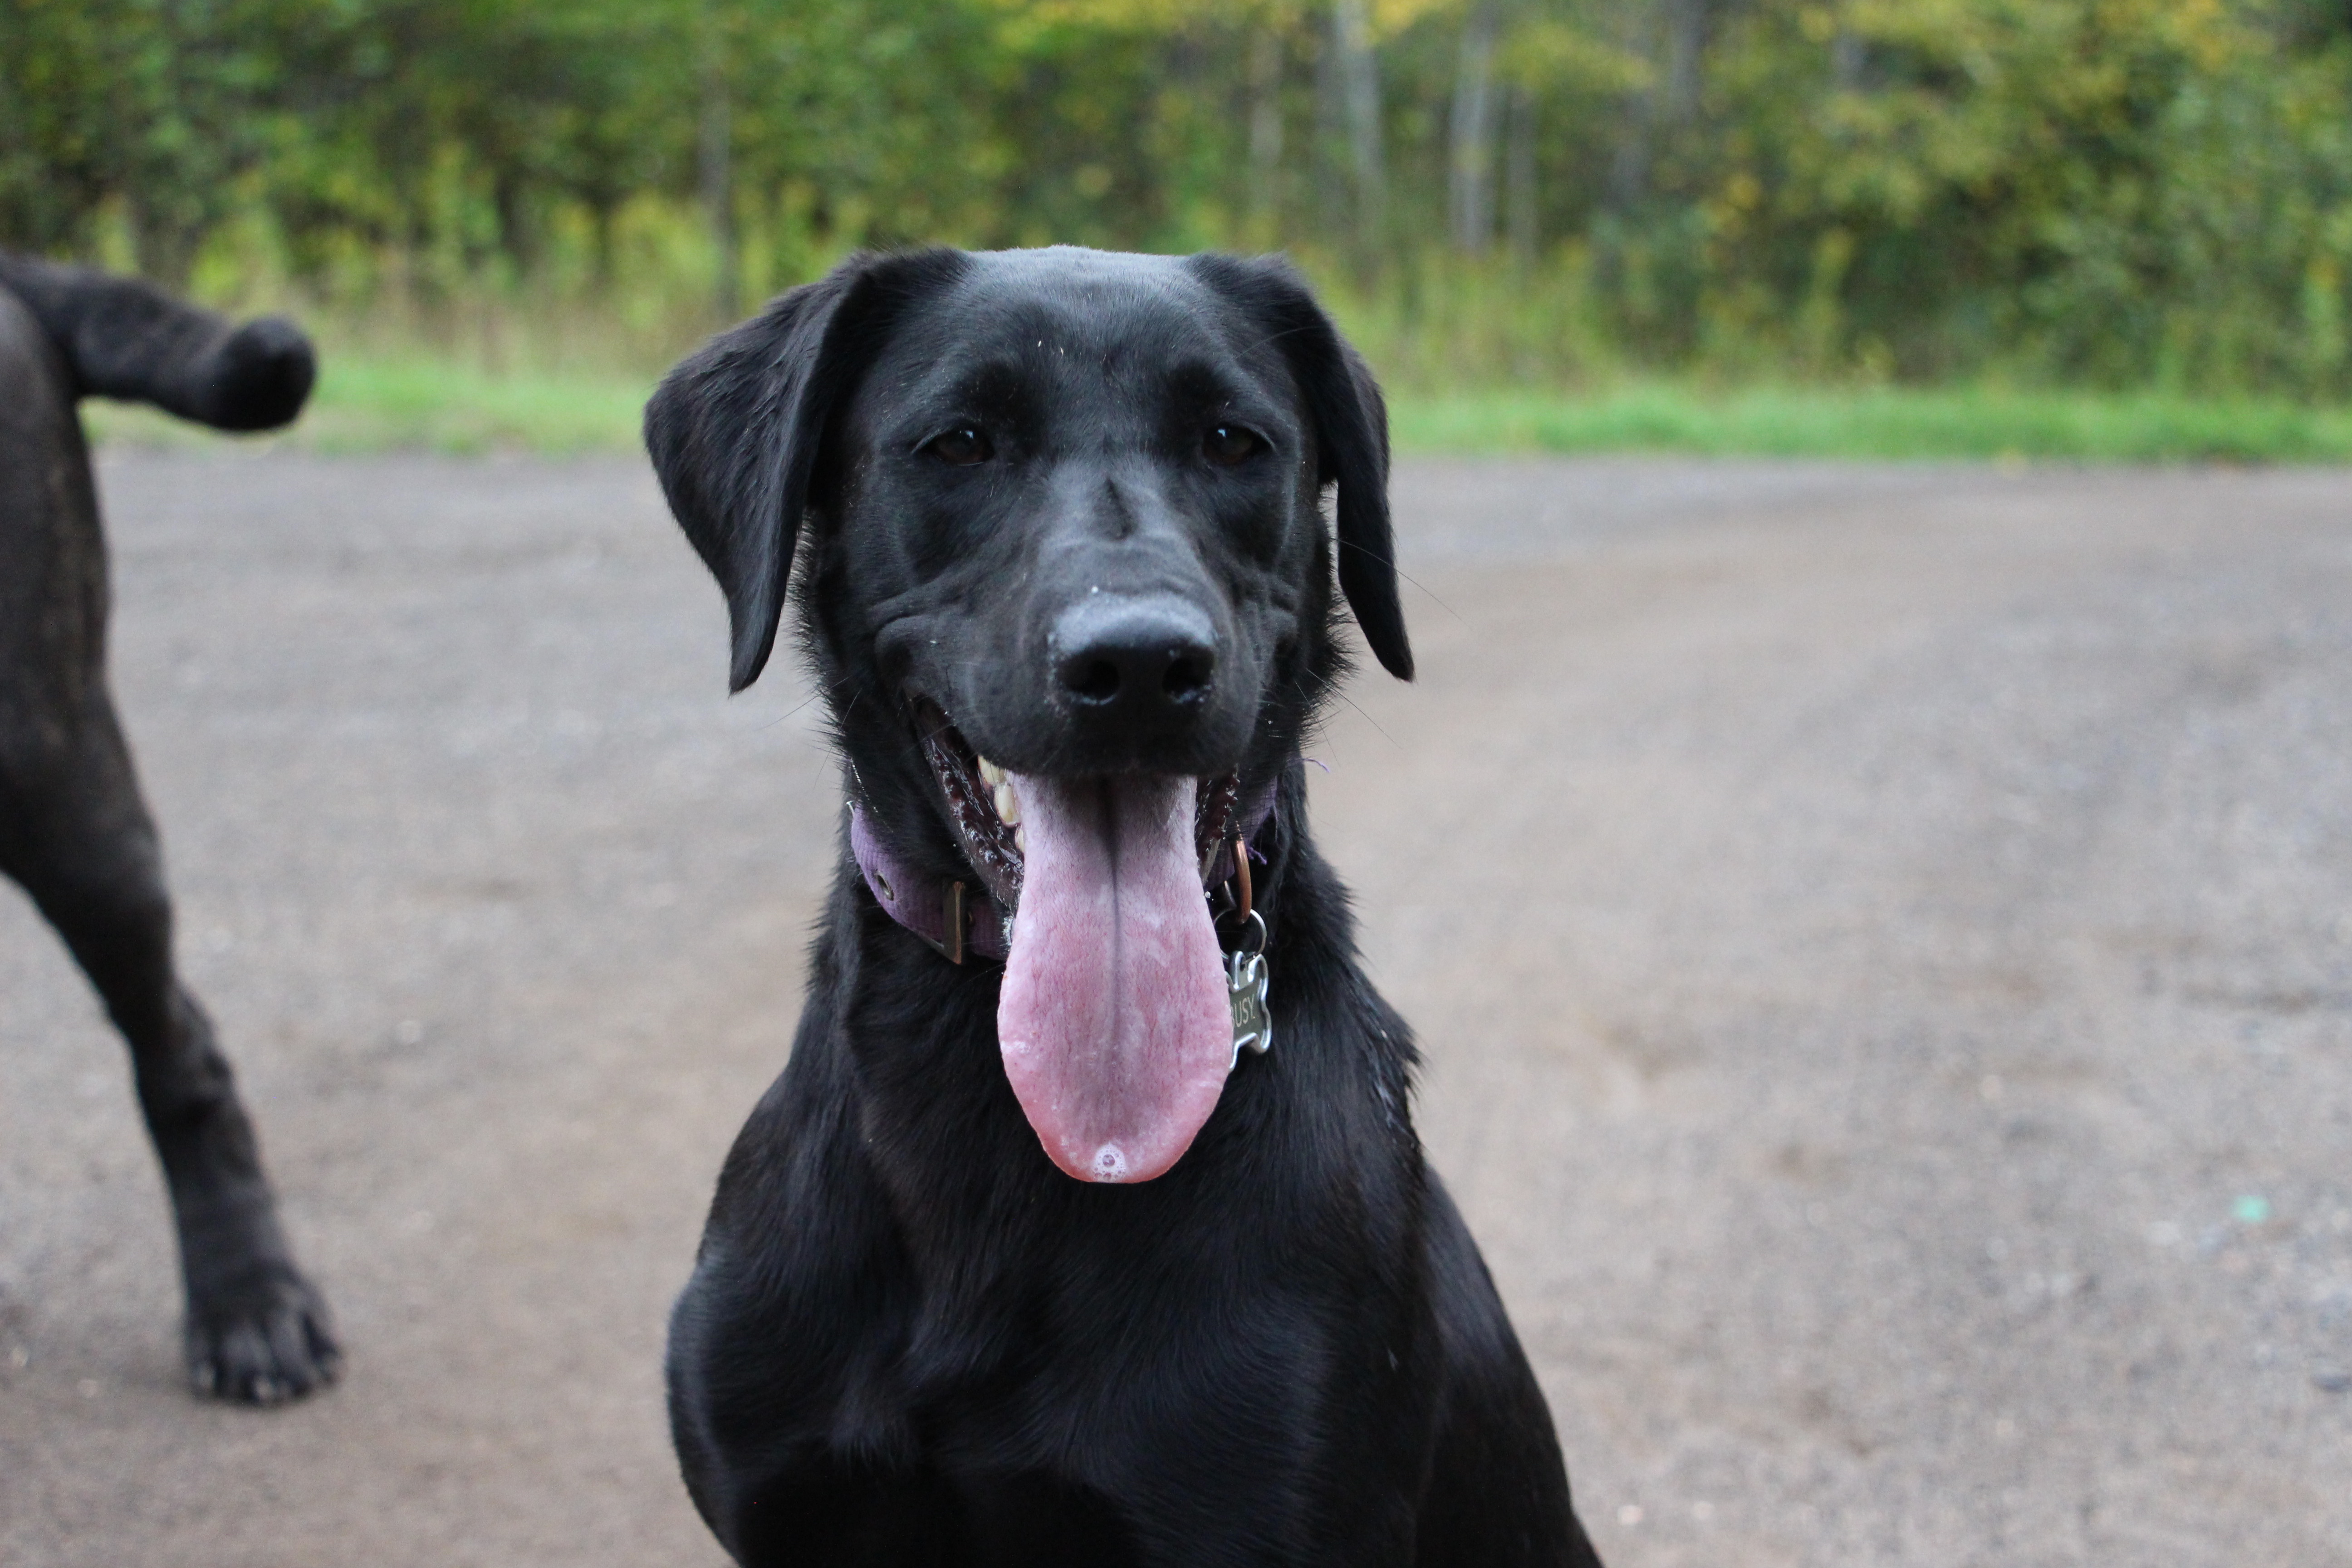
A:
x,y
372,404
379,404
365,405
1884,423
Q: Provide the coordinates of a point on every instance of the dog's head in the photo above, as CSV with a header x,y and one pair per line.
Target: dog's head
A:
x,y
1066,578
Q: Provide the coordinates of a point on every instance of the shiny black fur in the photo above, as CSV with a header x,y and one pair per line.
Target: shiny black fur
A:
x,y
73,829
908,1338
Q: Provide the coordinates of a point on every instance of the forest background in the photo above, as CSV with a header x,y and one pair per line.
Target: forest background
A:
x,y
2040,227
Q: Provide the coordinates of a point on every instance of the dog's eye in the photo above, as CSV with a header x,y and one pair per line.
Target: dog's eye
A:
x,y
1226,445
963,446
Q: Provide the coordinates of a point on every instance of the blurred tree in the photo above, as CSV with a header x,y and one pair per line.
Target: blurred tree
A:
x,y
2110,190
1359,90
1471,169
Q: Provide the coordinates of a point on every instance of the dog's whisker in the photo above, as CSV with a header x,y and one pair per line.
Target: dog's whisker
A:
x,y
1391,565
1367,718
820,693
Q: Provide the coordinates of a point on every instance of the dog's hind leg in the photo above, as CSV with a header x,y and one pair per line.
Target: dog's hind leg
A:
x,y
76,834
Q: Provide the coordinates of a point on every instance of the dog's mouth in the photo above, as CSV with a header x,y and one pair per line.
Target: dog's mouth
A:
x,y
984,805
1113,1017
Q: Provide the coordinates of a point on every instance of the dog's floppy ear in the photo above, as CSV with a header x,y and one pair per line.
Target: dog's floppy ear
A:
x,y
735,430
1352,436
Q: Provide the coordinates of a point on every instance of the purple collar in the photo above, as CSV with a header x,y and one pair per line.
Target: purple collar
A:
x,y
961,920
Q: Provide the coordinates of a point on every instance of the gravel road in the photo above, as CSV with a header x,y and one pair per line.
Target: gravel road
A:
x,y
1881,940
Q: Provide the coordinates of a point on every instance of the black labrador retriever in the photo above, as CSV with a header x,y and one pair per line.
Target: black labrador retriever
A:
x,y
73,829
1066,580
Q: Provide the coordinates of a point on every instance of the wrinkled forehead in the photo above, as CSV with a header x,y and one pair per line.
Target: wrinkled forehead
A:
x,y
1077,331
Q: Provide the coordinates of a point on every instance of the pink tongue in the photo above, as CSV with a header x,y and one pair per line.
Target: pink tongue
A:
x,y
1116,1027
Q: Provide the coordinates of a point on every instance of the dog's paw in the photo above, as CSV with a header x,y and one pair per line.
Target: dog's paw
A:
x,y
263,1339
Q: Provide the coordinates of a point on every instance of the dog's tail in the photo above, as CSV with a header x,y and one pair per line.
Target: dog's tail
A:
x,y
122,338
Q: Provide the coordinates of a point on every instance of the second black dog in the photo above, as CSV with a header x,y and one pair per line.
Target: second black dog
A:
x,y
73,828
1042,1250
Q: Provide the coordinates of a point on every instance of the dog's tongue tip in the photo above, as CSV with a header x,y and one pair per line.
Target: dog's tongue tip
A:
x,y
1115,1029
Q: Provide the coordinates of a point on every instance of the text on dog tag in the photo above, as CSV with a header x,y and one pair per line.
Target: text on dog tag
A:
x,y
1245,989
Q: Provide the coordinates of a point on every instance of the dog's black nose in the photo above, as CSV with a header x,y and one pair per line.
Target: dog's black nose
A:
x,y
1140,655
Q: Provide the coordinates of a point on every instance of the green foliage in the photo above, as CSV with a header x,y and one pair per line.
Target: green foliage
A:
x,y
2106,189
2104,192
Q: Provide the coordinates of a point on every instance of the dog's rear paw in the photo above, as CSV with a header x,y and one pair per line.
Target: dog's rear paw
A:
x,y
263,1339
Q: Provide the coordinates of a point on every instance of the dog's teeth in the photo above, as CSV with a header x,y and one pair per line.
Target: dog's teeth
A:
x,y
1021,840
1008,804
990,774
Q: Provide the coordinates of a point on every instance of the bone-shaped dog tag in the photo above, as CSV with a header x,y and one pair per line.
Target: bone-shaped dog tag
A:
x,y
1245,989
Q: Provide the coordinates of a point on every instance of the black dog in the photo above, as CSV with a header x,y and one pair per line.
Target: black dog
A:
x,y
73,829
1067,586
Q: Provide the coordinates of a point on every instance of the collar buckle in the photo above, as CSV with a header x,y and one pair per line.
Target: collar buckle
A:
x,y
949,944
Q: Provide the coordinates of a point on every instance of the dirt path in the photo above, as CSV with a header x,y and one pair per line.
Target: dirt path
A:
x,y
1883,941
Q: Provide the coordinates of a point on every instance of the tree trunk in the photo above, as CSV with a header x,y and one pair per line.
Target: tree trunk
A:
x,y
1265,135
1687,26
717,171
516,236
1670,105
1846,60
600,206
1470,170
1360,90
1519,177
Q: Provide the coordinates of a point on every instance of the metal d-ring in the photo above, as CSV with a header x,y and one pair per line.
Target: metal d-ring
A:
x,y
1233,891
1251,916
